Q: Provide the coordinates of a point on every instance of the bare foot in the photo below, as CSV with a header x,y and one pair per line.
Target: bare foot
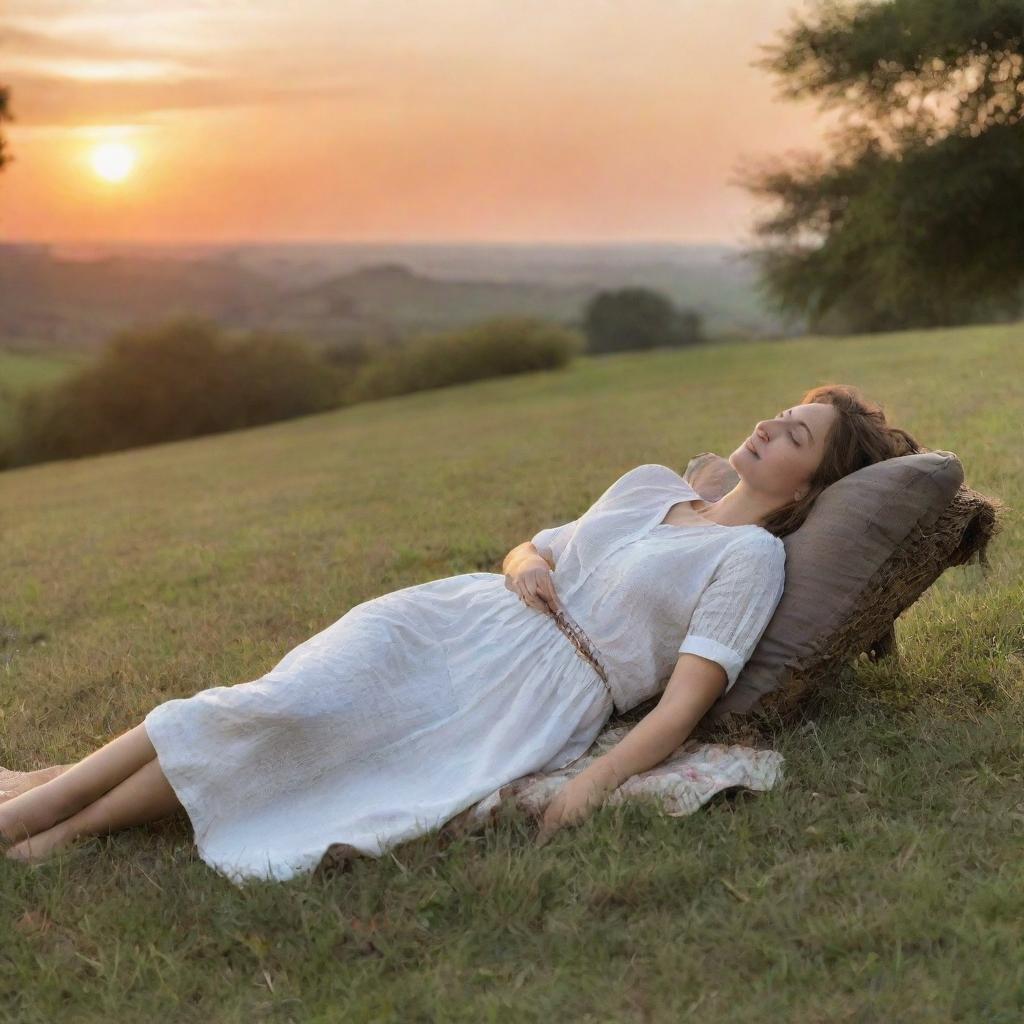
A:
x,y
41,846
13,783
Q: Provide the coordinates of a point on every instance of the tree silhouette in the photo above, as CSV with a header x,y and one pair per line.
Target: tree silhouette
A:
x,y
916,217
637,318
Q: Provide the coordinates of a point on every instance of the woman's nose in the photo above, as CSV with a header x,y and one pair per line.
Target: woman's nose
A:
x,y
762,429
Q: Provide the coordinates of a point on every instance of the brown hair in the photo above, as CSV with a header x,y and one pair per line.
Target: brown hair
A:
x,y
858,437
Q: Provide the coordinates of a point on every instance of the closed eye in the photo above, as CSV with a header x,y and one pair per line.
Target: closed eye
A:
x,y
792,437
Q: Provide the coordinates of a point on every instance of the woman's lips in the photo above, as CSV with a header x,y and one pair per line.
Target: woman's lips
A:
x,y
750,447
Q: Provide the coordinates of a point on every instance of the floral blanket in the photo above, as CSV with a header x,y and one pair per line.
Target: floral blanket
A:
x,y
682,783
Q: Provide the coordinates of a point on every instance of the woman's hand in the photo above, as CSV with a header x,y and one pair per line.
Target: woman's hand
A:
x,y
577,798
531,582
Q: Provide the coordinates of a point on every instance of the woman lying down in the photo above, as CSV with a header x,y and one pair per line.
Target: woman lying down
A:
x,y
420,702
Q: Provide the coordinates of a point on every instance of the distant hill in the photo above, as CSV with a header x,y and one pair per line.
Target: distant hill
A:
x,y
392,295
77,304
55,299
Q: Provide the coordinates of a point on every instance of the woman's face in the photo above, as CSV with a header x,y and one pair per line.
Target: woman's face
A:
x,y
780,456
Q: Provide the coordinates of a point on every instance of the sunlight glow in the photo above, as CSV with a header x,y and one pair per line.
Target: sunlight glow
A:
x,y
113,161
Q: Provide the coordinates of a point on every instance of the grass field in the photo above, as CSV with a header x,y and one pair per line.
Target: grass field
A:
x,y
882,880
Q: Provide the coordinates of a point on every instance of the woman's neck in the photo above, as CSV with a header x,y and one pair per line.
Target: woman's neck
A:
x,y
740,507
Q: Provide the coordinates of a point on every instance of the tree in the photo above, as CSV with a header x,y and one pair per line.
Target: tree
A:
x,y
916,217
5,115
637,318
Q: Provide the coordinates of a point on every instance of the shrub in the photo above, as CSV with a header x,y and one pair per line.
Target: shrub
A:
x,y
177,380
492,348
637,318
349,355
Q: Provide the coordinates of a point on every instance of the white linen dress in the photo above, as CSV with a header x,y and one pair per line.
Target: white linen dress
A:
x,y
418,703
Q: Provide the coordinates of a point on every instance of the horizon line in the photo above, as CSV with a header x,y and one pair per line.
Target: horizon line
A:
x,y
611,243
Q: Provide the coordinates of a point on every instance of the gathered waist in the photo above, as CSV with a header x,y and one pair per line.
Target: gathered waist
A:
x,y
583,645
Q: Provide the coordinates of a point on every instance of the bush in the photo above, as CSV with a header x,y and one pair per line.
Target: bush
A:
x,y
492,348
349,355
181,379
637,318
187,378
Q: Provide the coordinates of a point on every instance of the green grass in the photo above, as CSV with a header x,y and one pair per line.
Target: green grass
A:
x,y
22,370
882,880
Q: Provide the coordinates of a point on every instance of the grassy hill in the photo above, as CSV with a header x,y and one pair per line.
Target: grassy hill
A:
x,y
881,881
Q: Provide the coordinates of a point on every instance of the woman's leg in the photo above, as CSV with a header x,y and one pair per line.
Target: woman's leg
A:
x,y
84,782
144,796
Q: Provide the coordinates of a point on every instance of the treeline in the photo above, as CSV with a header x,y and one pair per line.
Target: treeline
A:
x,y
187,377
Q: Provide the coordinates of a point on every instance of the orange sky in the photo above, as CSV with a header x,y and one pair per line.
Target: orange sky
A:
x,y
392,120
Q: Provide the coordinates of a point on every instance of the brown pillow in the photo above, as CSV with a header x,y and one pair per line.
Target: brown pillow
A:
x,y
851,568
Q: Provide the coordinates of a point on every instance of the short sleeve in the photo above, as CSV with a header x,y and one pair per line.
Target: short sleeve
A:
x,y
736,606
552,541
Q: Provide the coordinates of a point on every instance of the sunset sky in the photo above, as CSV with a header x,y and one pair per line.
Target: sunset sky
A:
x,y
390,120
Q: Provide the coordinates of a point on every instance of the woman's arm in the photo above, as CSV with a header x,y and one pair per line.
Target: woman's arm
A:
x,y
695,684
730,618
520,552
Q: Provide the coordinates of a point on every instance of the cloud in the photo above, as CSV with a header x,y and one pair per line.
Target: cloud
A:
x,y
44,100
30,43
56,79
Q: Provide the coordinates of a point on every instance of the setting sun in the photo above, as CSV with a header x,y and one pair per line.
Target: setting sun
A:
x,y
113,161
